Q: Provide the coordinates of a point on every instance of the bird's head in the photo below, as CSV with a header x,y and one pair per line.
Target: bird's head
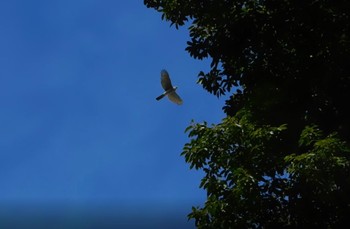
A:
x,y
175,88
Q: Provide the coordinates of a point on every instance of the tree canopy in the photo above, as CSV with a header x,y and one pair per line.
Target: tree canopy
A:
x,y
282,155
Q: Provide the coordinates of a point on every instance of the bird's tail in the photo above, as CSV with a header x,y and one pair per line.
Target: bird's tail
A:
x,y
160,97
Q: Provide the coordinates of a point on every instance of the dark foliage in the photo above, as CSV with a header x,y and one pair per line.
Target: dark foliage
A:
x,y
281,157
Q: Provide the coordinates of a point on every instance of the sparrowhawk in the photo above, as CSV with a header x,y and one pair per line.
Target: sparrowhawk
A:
x,y
169,89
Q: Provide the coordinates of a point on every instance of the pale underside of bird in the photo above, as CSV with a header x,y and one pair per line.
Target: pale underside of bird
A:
x,y
169,90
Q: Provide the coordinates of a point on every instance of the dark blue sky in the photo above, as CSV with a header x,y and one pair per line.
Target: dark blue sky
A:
x,y
79,123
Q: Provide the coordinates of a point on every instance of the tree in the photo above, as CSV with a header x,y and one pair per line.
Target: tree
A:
x,y
282,155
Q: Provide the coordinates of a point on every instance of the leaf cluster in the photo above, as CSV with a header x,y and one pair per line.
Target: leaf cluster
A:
x,y
240,192
250,183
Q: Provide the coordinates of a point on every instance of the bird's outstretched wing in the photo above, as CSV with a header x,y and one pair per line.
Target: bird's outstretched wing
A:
x,y
165,80
175,98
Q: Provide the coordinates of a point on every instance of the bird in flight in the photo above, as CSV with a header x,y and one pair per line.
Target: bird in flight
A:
x,y
169,90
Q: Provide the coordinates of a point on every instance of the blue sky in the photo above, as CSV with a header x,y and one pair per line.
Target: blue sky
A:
x,y
79,123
